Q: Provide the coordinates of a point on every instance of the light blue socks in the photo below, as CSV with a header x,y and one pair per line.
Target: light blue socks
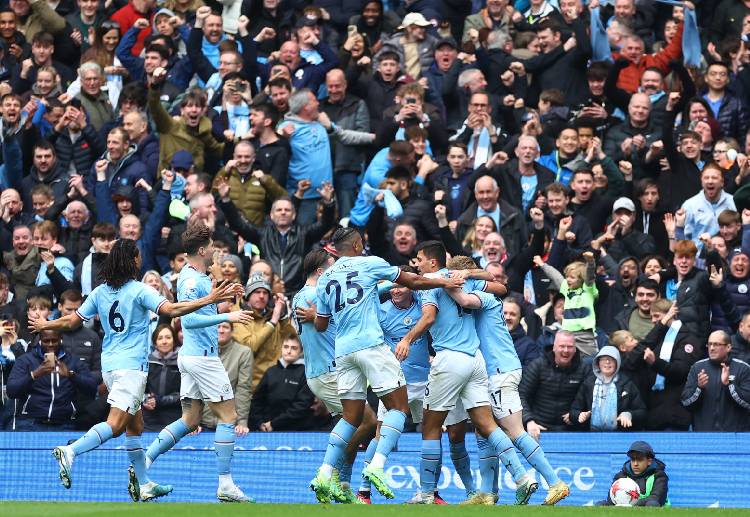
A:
x,y
462,463
337,442
534,454
137,457
167,438
507,453
488,466
364,486
93,438
429,464
224,446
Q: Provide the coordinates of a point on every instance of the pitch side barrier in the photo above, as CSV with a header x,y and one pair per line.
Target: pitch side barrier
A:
x,y
705,469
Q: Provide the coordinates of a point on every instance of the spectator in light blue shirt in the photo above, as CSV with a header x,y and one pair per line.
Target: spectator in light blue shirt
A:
x,y
703,209
311,152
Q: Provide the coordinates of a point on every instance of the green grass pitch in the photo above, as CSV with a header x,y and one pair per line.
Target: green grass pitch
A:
x,y
46,509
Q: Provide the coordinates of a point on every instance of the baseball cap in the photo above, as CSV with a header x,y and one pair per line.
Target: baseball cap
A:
x,y
642,448
256,281
623,203
414,19
737,251
447,41
305,21
181,160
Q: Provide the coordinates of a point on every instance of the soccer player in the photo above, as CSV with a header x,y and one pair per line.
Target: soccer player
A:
x,y
457,372
203,377
320,368
504,371
348,291
398,315
123,304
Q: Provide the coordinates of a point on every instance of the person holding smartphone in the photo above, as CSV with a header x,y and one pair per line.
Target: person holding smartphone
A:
x,y
45,383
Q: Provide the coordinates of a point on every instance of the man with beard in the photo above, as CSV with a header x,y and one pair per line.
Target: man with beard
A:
x,y
703,208
45,171
272,152
638,319
649,217
252,191
616,295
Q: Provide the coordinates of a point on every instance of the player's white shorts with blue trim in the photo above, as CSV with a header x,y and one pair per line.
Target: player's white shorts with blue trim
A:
x,y
126,389
376,365
415,394
203,378
454,377
504,397
325,387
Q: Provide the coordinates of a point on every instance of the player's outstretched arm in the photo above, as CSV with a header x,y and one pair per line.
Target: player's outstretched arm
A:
x,y
420,283
220,292
480,274
66,323
464,299
429,312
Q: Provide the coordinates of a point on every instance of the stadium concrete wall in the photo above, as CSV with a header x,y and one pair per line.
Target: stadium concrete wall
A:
x,y
705,470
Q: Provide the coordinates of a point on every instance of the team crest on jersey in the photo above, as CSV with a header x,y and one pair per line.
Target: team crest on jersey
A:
x,y
190,283
226,388
408,320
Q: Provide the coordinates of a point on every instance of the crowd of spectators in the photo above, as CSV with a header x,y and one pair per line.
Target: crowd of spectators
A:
x,y
593,157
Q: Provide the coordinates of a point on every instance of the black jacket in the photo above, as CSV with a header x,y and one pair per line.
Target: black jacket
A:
x,y
509,180
658,495
512,226
84,344
164,383
665,408
283,398
273,158
50,397
628,400
694,298
634,244
299,240
716,407
86,149
548,391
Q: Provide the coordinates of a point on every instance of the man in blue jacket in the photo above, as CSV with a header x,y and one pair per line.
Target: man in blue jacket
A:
x,y
45,384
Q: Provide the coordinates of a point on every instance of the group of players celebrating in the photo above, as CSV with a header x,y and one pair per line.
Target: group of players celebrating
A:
x,y
351,342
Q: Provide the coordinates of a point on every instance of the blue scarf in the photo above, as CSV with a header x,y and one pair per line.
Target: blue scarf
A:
x,y
604,406
665,353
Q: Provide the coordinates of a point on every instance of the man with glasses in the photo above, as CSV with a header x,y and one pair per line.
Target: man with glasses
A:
x,y
717,390
729,110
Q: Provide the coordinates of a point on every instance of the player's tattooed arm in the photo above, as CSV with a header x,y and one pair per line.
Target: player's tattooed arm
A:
x,y
429,312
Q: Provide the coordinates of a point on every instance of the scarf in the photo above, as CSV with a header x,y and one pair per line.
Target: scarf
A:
x,y
604,406
665,354
479,147
393,208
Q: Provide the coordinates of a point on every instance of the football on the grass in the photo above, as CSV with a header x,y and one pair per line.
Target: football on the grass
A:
x,y
624,492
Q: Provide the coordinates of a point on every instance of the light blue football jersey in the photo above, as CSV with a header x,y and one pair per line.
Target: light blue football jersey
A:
x,y
348,291
453,328
494,338
396,323
200,334
318,346
124,315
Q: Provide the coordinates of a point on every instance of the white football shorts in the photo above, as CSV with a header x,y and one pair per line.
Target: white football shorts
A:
x,y
376,365
126,389
203,378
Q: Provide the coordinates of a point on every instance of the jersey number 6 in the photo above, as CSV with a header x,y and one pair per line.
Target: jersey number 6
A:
x,y
334,284
116,321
